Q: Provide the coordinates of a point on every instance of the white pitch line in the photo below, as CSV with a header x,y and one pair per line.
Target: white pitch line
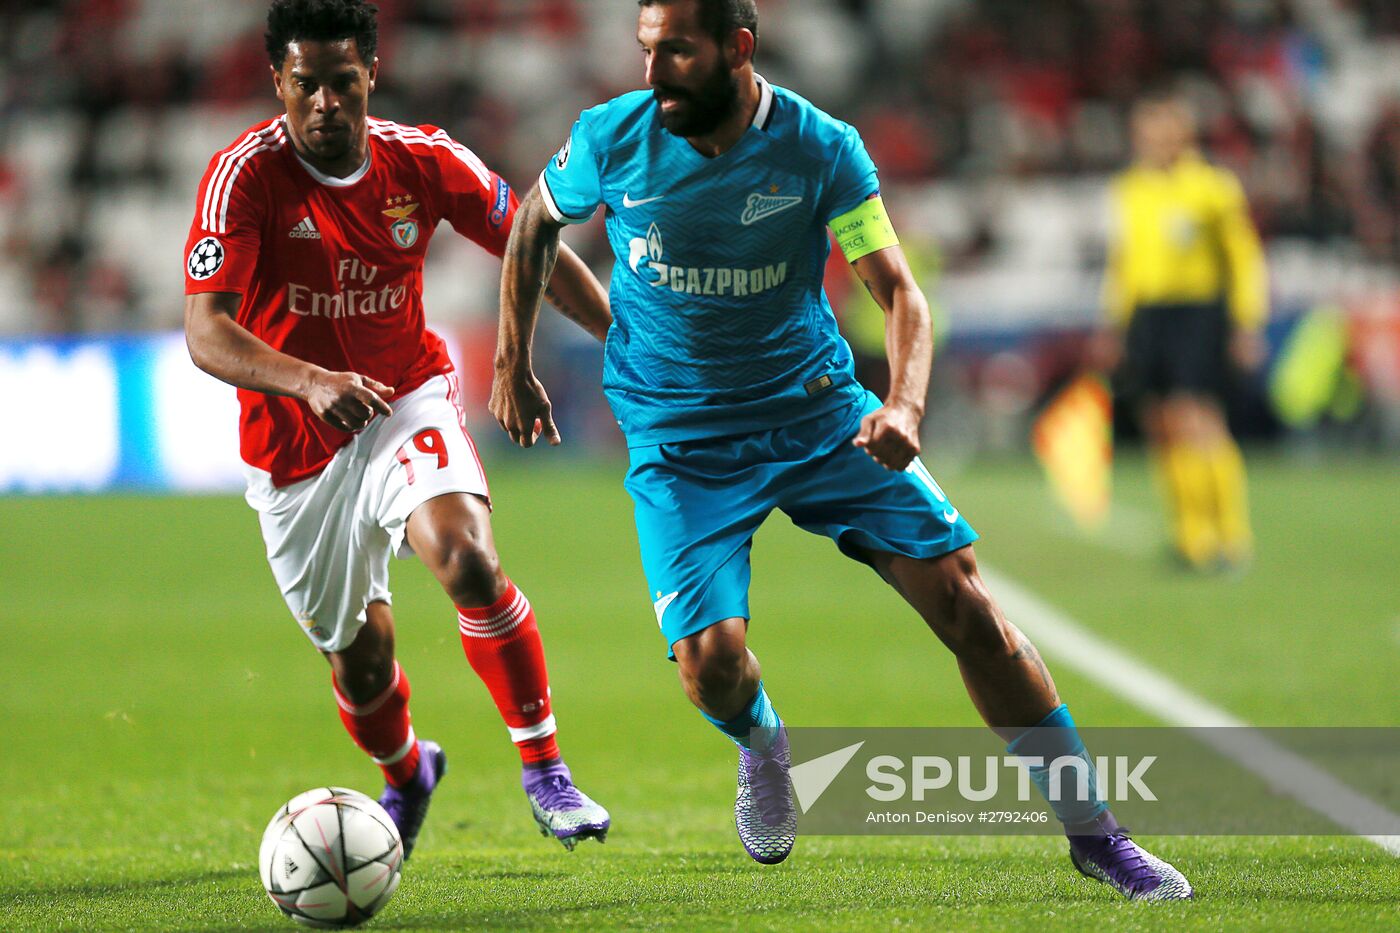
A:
x,y
1074,646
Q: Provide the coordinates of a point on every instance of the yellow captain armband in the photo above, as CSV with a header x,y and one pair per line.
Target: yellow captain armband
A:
x,y
865,230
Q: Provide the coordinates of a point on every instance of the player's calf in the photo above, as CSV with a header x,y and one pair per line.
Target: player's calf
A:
x,y
721,677
502,644
719,673
372,692
1004,675
955,604
365,668
382,727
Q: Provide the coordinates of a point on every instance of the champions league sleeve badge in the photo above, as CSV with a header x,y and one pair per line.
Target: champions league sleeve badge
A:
x,y
206,258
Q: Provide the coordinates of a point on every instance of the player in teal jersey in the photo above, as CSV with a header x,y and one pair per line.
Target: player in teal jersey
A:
x,y
736,394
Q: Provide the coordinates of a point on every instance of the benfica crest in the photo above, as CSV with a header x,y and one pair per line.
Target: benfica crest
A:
x,y
403,230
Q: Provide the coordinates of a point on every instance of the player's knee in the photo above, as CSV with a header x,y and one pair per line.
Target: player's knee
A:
x,y
470,571
969,621
713,666
362,677
983,632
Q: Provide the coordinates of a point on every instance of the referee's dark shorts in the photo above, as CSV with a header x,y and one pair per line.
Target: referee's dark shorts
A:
x,y
1176,348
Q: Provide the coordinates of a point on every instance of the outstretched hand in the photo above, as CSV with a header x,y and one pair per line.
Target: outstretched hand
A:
x,y
521,407
890,435
348,401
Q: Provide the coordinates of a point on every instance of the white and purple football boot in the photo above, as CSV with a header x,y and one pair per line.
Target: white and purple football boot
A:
x,y
1103,851
764,812
407,806
561,809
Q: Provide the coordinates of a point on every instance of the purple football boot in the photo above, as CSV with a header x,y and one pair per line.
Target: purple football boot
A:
x,y
561,809
1105,853
407,806
763,810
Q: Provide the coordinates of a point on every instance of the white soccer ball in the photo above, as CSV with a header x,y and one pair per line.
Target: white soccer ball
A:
x,y
331,858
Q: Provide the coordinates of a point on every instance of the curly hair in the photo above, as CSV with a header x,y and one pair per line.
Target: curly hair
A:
x,y
720,18
321,21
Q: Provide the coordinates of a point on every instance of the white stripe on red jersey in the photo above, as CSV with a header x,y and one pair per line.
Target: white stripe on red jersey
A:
x,y
267,139
207,214
411,135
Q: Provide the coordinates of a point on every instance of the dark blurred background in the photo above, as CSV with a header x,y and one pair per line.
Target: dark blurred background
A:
x,y
995,123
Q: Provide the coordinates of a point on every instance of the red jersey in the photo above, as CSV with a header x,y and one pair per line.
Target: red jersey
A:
x,y
331,269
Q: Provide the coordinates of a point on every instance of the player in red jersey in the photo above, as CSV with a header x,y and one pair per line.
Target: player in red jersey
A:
x,y
304,280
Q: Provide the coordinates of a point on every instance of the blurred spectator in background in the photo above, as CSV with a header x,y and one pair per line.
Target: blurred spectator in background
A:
x,y
997,123
1186,291
998,115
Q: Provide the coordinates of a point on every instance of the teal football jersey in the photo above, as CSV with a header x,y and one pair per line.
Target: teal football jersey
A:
x,y
720,322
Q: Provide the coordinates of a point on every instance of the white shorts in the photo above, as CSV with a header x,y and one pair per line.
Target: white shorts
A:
x,y
329,537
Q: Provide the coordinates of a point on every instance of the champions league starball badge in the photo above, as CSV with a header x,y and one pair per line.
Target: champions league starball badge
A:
x,y
206,258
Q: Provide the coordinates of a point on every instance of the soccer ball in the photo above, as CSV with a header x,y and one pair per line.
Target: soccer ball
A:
x,y
331,858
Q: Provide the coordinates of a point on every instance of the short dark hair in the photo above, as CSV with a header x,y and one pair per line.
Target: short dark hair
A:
x,y
720,18
321,21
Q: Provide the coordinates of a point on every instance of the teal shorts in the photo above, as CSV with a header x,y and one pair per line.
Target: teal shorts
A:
x,y
698,504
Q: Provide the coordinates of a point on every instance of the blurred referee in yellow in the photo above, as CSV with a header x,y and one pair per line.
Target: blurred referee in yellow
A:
x,y
1187,294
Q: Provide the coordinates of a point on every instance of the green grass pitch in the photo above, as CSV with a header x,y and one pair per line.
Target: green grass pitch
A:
x,y
157,704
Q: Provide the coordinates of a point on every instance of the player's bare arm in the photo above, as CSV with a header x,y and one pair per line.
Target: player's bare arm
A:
x,y
226,350
576,293
891,434
518,400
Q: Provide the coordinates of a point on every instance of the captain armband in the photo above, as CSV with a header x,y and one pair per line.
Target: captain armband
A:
x,y
865,230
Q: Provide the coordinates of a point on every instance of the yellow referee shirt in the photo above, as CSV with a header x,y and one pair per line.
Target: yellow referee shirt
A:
x,y
1184,235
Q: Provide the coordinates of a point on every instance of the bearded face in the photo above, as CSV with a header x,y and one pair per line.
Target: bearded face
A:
x,y
698,110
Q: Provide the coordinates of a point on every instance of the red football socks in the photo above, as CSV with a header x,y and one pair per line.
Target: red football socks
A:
x,y
383,728
502,644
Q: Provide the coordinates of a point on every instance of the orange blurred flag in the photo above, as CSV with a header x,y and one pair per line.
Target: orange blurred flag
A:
x,y
1073,440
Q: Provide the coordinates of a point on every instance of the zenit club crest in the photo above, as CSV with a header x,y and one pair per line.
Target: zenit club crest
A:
x,y
760,206
403,230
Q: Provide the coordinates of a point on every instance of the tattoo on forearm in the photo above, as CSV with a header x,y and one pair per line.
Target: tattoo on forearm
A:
x,y
1026,652
530,258
563,307
540,264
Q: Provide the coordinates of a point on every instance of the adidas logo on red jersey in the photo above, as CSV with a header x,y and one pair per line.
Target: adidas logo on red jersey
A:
x,y
305,230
